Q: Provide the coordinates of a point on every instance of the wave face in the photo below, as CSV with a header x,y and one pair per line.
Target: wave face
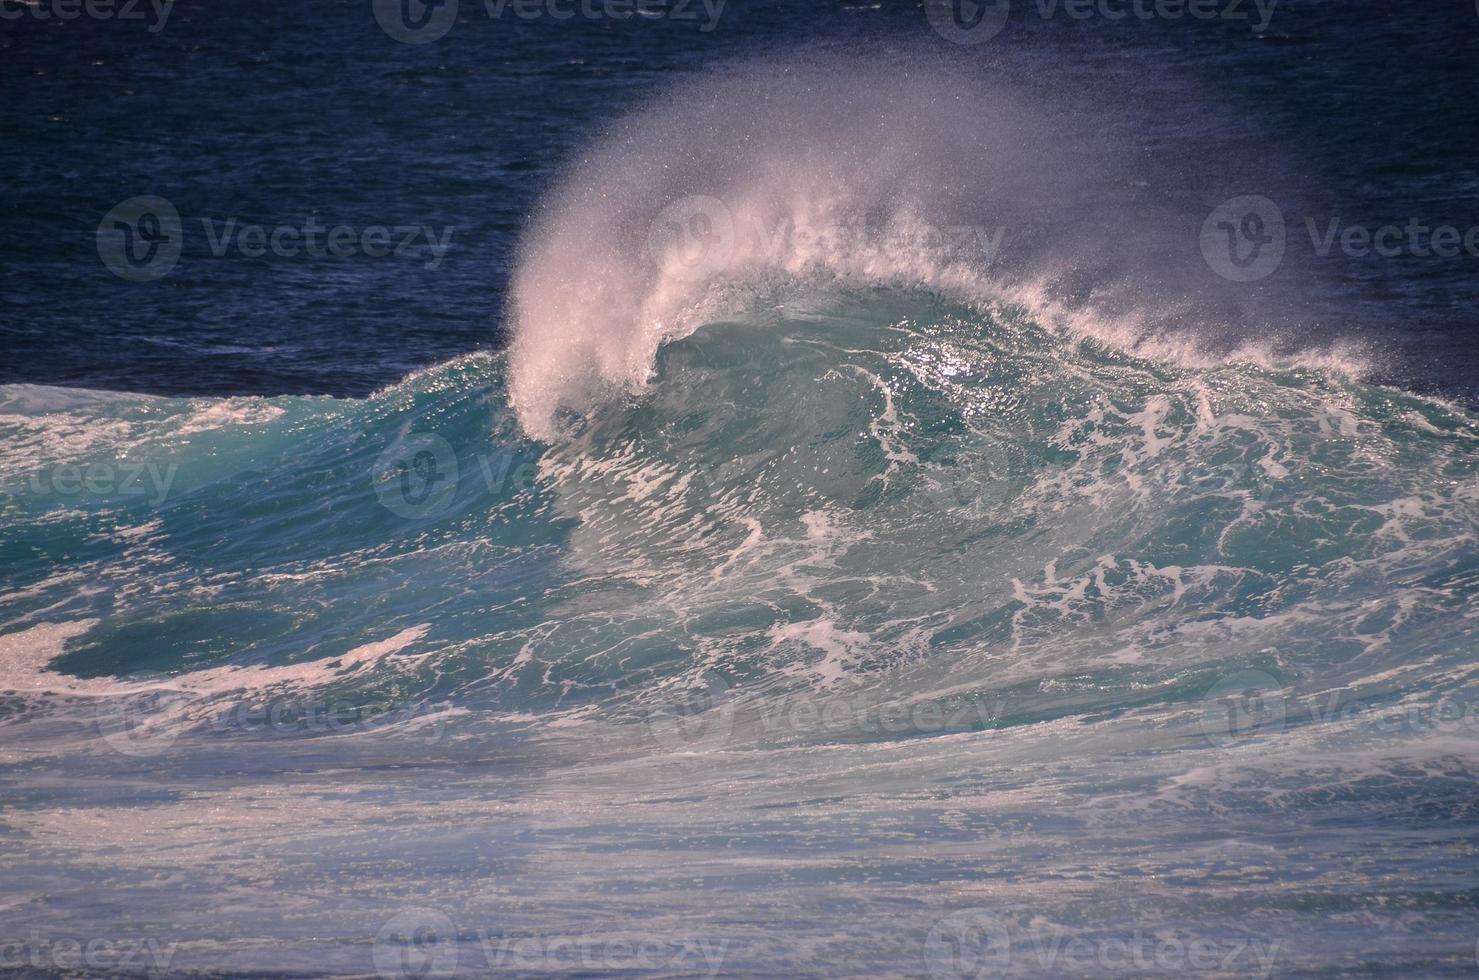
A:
x,y
902,476
845,566
997,581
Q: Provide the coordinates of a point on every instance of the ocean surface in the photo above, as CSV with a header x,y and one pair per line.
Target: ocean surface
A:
x,y
754,489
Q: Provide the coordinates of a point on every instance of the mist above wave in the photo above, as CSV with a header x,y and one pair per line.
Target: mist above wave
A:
x,y
984,184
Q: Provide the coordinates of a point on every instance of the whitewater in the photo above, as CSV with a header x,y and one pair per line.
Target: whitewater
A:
x,y
884,547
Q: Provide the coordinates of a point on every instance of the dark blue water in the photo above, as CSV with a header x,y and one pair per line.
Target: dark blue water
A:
x,y
270,114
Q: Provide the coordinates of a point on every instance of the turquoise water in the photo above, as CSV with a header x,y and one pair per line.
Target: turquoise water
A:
x,y
859,618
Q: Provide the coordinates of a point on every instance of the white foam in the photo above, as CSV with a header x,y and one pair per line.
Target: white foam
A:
x,y
25,656
209,415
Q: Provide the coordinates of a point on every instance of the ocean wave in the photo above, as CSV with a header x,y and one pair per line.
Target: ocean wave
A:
x,y
876,490
758,182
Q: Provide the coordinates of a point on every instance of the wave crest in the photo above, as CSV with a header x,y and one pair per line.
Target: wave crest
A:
x,y
917,174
